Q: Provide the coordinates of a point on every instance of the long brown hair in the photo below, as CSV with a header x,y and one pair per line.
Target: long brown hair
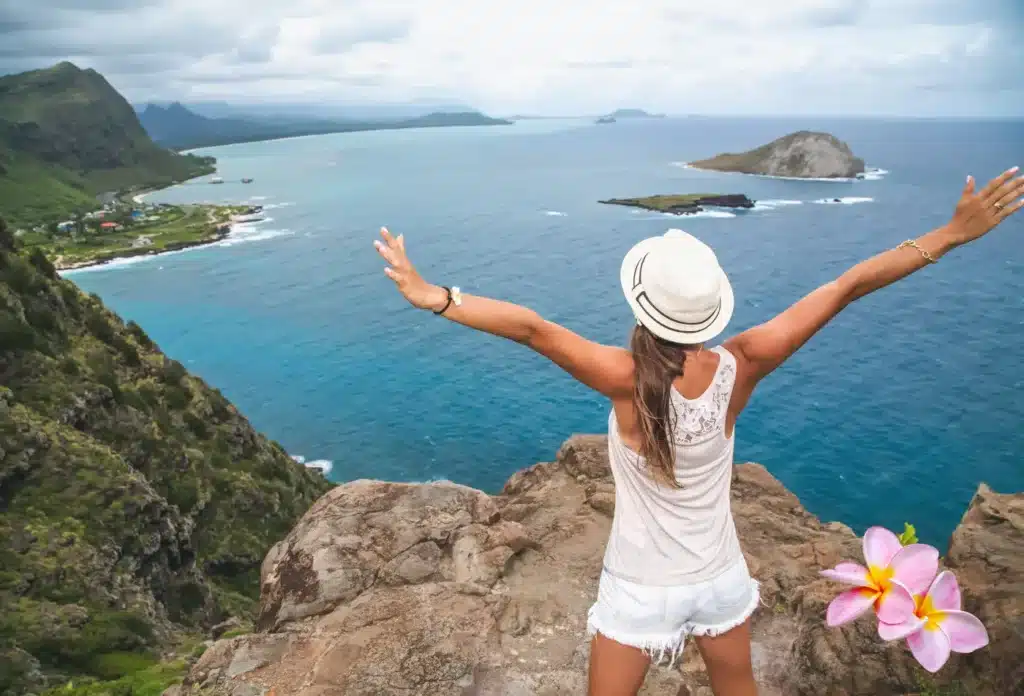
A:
x,y
657,363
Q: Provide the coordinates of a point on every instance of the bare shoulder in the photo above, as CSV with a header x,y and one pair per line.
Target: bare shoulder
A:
x,y
605,369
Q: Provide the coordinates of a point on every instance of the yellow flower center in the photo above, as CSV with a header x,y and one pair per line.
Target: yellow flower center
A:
x,y
881,577
925,609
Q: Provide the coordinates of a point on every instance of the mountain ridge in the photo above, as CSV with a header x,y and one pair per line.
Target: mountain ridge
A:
x,y
176,126
67,135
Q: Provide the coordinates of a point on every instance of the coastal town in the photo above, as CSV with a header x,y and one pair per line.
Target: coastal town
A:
x,y
126,227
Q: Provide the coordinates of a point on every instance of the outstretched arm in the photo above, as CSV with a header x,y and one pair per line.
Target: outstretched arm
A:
x,y
605,369
763,348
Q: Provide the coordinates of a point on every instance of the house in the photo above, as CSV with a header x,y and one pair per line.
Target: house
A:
x,y
110,225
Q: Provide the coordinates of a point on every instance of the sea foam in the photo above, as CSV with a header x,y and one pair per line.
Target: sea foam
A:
x,y
870,174
324,465
773,204
846,200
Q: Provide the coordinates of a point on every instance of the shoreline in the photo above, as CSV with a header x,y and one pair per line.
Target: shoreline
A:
x,y
221,231
869,174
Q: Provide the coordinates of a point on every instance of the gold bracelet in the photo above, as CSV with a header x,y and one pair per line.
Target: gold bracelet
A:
x,y
911,243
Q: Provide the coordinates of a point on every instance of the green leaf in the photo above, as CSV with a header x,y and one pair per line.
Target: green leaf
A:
x,y
909,535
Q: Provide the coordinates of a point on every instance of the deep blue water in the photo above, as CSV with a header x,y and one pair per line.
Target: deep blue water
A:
x,y
895,412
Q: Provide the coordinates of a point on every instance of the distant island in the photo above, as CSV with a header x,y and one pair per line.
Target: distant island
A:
x,y
684,204
803,155
632,113
605,119
179,128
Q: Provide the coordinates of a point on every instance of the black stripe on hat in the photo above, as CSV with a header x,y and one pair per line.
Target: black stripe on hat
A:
x,y
659,317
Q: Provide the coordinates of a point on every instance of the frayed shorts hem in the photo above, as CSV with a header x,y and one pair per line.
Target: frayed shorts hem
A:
x,y
658,646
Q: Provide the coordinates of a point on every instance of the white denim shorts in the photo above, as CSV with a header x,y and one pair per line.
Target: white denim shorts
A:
x,y
658,619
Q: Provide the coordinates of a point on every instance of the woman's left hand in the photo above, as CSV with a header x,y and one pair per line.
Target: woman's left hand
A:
x,y
417,291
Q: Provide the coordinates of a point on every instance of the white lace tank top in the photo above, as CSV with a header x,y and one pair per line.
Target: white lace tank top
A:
x,y
674,536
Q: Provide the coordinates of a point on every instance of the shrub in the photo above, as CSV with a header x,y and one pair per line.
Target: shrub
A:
x,y
140,335
173,372
7,238
38,259
15,334
100,327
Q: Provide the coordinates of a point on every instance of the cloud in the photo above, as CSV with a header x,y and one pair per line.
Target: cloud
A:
x,y
728,56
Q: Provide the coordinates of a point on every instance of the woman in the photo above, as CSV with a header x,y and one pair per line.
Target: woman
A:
x,y
673,565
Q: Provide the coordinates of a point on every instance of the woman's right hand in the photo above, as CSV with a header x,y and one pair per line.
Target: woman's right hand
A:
x,y
977,213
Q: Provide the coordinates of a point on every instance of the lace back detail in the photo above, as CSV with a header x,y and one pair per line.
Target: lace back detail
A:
x,y
700,419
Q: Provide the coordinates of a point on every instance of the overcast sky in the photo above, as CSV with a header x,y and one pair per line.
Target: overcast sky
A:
x,y
915,57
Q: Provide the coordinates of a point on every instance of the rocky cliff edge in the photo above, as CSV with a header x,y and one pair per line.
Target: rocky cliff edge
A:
x,y
386,588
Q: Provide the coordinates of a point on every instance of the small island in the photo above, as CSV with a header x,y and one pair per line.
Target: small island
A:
x,y
802,155
626,114
633,113
684,204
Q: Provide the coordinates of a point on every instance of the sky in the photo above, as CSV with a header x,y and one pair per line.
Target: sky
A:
x,y
565,57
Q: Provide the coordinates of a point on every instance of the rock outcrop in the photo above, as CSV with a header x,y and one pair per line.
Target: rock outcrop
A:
x,y
804,154
427,589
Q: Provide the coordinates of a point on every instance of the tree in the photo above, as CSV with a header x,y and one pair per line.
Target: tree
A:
x,y
6,236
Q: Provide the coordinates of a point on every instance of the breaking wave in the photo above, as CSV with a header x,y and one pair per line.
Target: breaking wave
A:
x,y
324,465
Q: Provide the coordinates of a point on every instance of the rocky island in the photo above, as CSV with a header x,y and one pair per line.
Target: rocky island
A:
x,y
804,155
684,204
442,590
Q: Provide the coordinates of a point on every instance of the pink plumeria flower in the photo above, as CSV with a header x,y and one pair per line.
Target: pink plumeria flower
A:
x,y
937,626
895,573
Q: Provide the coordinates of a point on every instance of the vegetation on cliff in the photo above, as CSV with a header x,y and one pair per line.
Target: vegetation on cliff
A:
x,y
67,135
135,501
803,154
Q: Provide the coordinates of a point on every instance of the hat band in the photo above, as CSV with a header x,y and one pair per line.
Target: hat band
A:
x,y
660,317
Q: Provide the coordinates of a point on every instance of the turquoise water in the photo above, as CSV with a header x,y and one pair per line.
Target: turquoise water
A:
x,y
896,411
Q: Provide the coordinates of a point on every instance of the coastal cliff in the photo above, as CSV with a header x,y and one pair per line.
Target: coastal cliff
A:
x,y
136,502
439,588
804,154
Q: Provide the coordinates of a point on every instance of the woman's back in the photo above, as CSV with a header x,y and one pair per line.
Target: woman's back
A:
x,y
683,534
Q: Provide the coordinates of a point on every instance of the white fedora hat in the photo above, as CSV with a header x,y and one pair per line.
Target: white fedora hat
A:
x,y
676,288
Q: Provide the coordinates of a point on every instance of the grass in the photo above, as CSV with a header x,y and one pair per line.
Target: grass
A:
x,y
150,681
178,227
32,192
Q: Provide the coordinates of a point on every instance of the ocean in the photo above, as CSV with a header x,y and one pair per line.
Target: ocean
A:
x,y
895,412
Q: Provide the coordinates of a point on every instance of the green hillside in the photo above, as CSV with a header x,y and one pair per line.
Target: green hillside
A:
x,y
136,503
67,135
